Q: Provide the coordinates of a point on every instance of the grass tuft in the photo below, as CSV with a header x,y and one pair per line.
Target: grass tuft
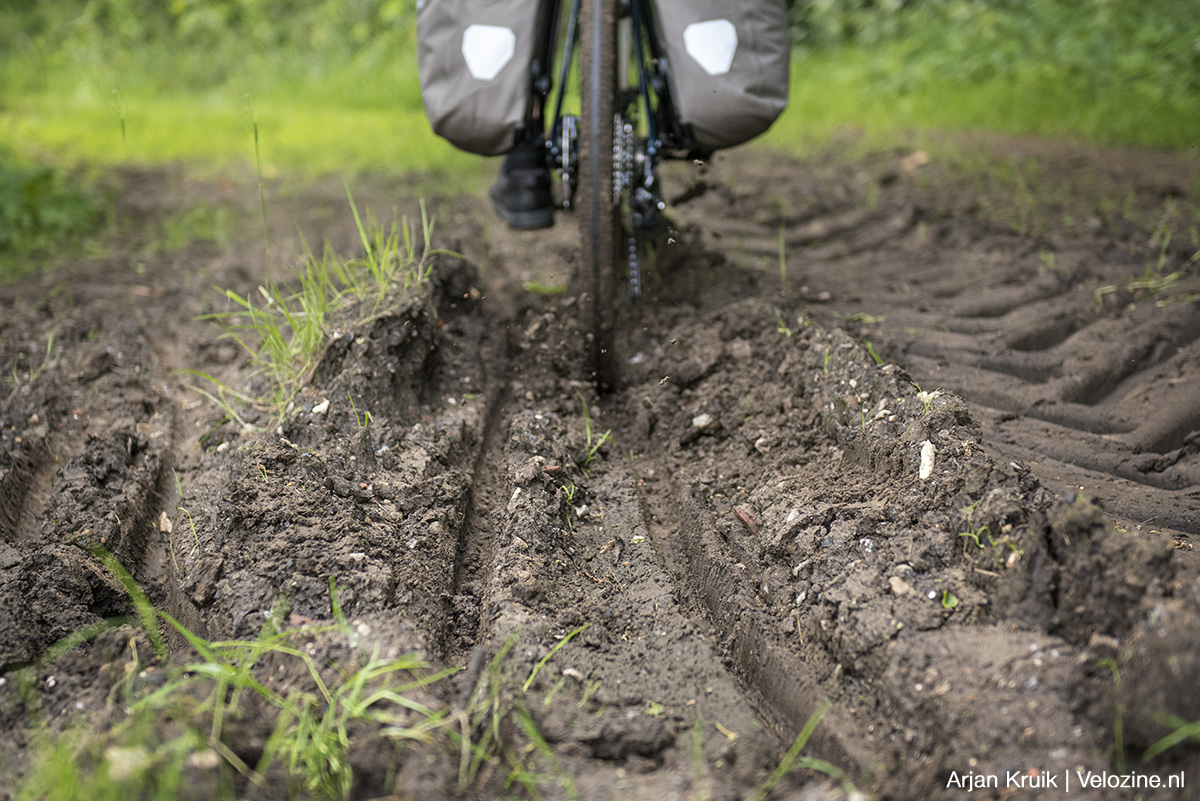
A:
x,y
284,331
557,647
792,759
186,719
592,443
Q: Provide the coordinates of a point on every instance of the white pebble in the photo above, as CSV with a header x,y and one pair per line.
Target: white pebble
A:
x,y
926,460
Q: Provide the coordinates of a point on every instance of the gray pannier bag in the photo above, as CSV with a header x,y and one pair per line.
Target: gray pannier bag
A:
x,y
728,65
474,60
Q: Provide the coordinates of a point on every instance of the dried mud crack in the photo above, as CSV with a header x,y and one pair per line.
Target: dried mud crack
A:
x,y
953,548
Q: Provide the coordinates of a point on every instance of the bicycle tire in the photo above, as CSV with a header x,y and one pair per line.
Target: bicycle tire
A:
x,y
598,211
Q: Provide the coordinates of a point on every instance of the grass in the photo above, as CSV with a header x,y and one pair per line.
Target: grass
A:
x,y
484,735
592,443
558,646
345,120
871,350
1118,716
975,533
327,101
1182,731
190,519
360,421
188,719
42,209
927,398
780,325
33,369
185,721
985,74
1155,281
792,760
303,97
200,223
332,123
284,331
185,726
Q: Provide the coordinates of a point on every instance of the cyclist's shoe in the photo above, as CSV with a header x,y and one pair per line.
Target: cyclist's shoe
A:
x,y
521,194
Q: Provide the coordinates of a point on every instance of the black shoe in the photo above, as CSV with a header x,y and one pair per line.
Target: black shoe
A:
x,y
521,194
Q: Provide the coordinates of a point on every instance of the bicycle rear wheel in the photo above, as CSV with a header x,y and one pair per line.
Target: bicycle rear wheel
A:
x,y
598,210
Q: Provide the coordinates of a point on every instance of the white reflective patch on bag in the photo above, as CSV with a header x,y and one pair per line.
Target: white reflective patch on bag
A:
x,y
711,44
487,49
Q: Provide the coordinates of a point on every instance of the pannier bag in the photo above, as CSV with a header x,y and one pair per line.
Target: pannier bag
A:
x,y
474,58
728,65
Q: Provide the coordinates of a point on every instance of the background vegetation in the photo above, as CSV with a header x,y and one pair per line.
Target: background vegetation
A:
x,y
331,85
1109,71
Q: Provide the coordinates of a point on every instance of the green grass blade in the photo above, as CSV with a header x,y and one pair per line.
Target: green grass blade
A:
x,y
141,603
553,651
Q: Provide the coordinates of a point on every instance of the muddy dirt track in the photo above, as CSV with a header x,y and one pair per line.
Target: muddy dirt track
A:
x,y
957,547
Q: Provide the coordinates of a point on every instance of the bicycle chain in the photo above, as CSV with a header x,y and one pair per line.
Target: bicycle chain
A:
x,y
624,163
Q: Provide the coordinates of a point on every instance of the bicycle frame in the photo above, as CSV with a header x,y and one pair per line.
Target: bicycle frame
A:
x,y
648,127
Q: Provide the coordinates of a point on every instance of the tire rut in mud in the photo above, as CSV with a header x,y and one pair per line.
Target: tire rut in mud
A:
x,y
815,527
1071,370
88,450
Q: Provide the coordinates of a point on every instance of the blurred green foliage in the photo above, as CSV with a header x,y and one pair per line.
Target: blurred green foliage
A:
x,y
1149,47
39,208
128,24
335,81
197,45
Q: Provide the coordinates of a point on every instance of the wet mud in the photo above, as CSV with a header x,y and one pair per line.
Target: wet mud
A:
x,y
933,481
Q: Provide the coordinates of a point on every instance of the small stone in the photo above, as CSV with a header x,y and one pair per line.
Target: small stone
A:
x,y
207,759
126,762
702,421
747,518
927,453
900,586
321,407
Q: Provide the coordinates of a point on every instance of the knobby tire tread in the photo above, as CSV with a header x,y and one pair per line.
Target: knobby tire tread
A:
x,y
598,215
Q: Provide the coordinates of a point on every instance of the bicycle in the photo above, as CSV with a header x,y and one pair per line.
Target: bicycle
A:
x,y
609,154
657,79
